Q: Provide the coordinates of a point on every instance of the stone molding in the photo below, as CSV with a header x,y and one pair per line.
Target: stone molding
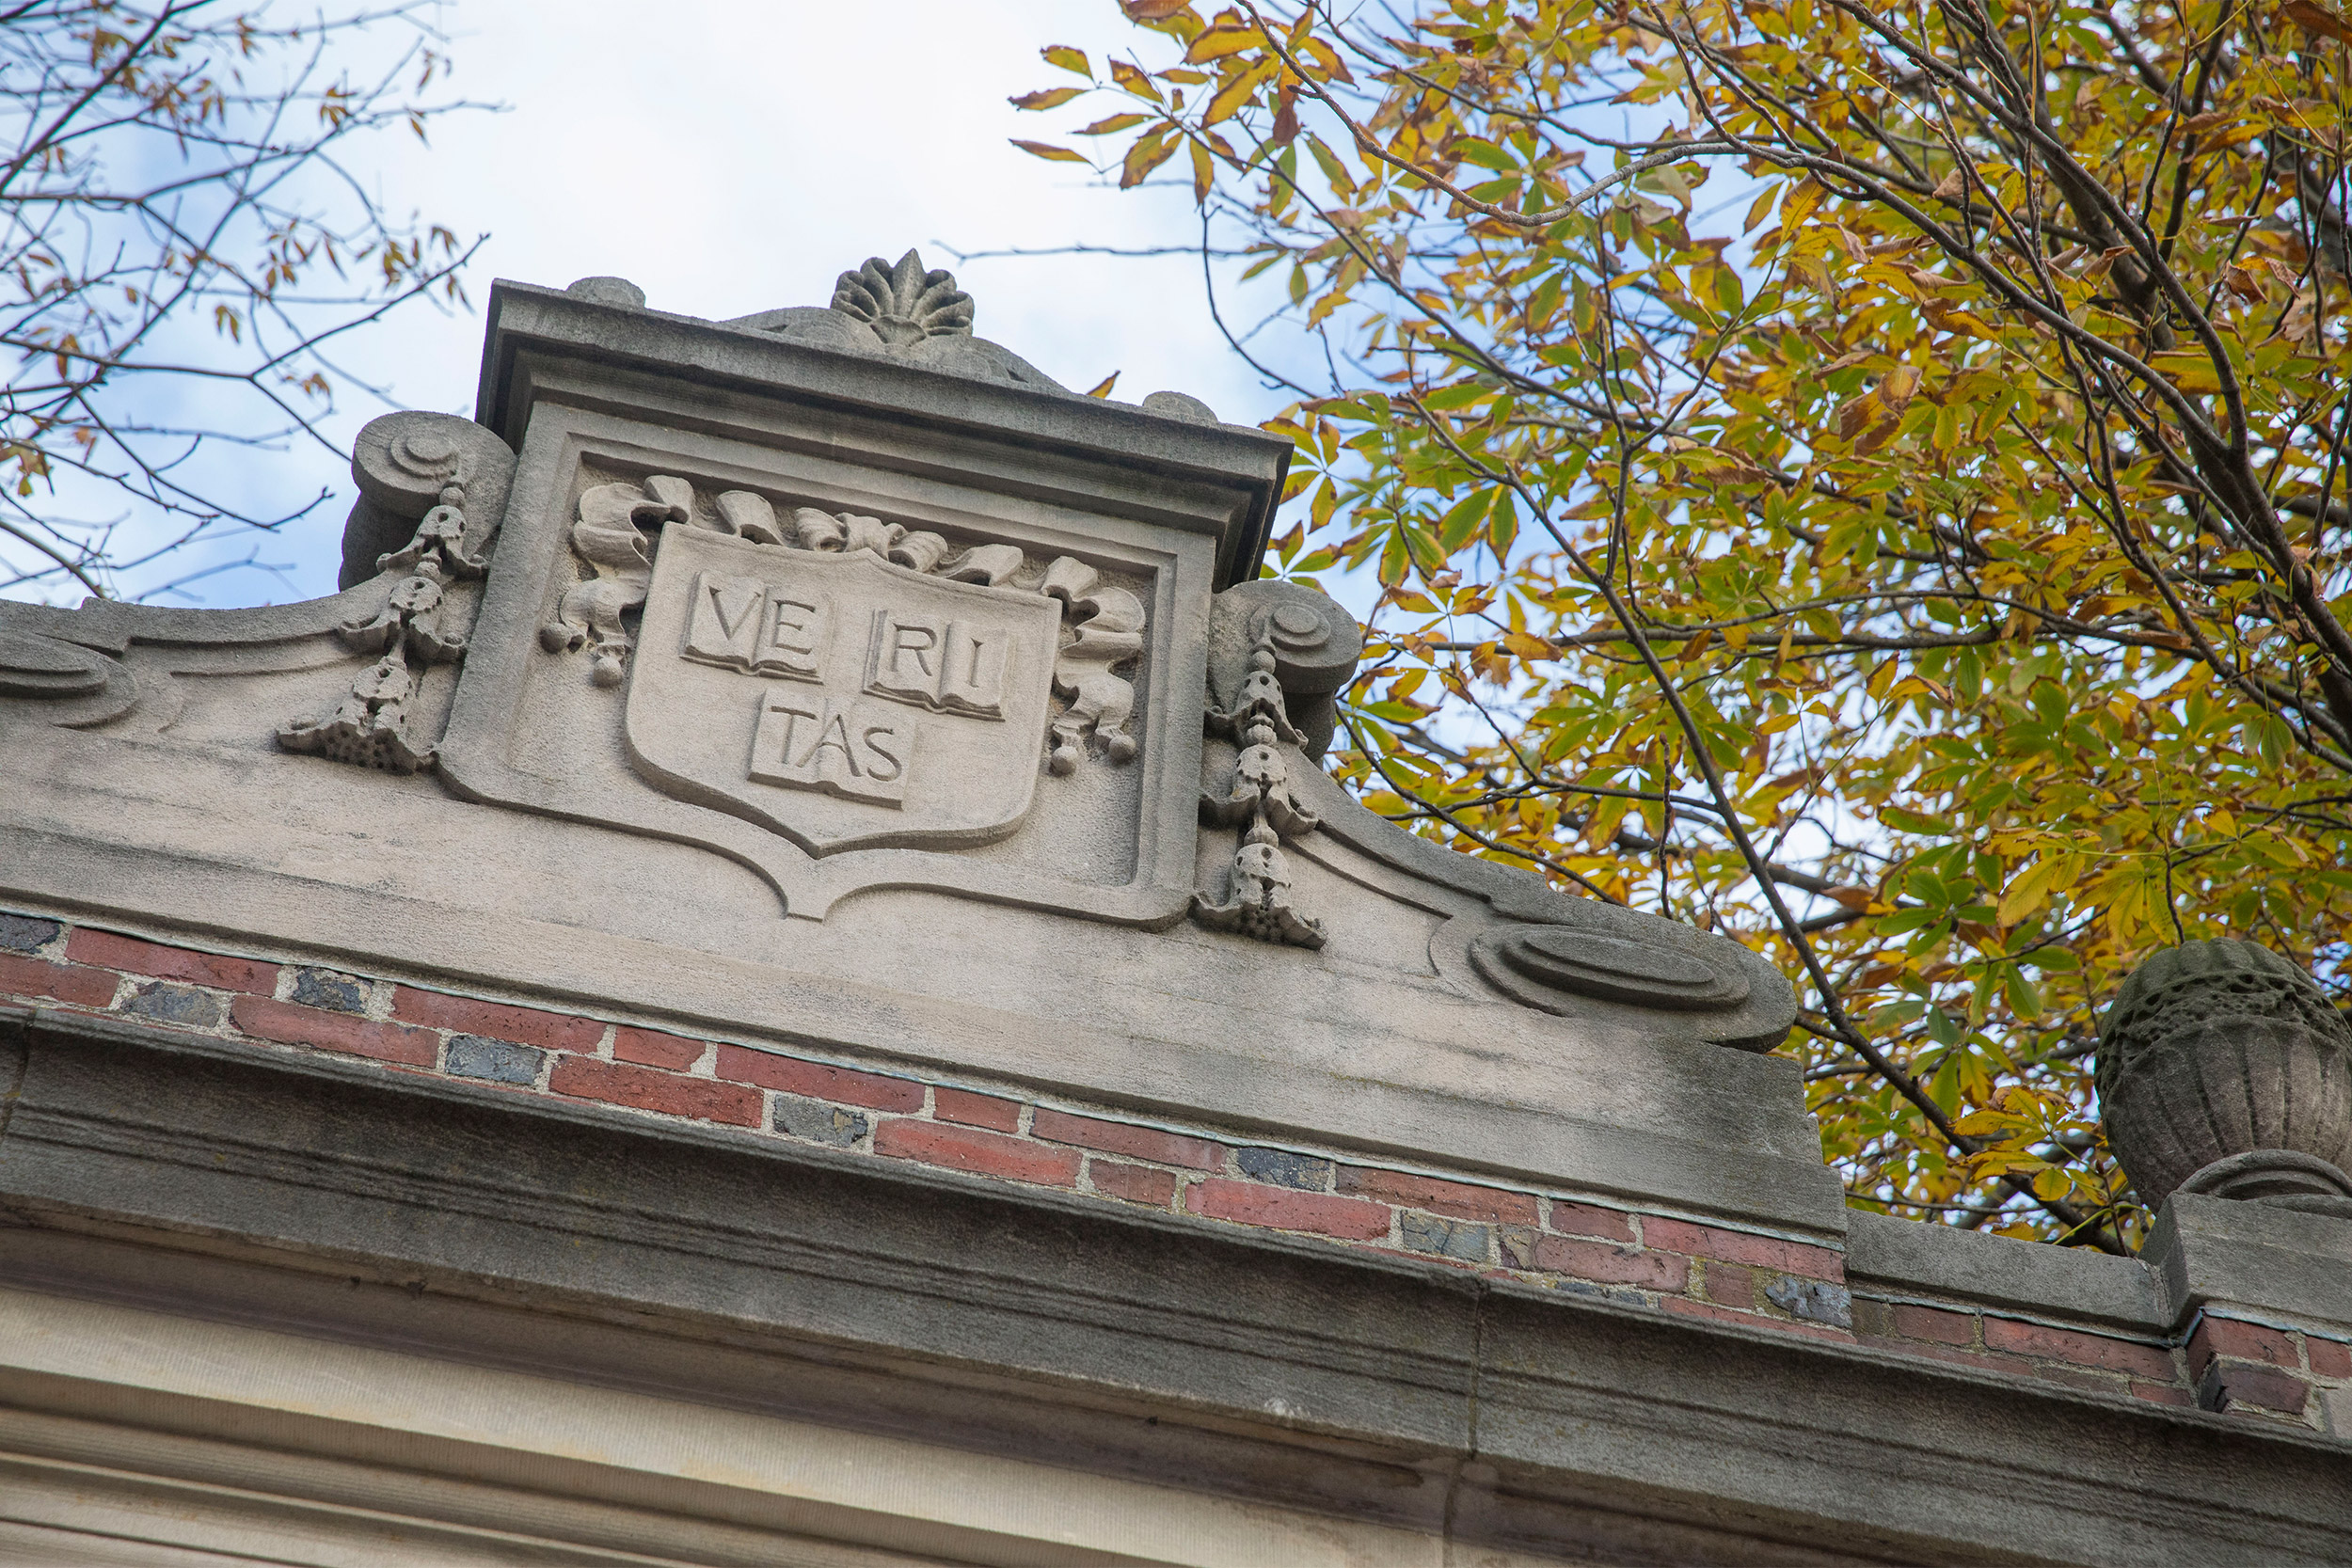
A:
x,y
533,334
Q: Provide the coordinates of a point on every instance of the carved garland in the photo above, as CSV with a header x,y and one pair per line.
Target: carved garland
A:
x,y
1257,900
370,727
619,531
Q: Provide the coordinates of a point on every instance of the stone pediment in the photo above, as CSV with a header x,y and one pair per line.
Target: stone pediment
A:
x,y
831,676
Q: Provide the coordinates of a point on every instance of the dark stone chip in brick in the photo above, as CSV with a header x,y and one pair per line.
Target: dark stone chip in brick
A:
x,y
24,933
1518,1245
1284,1169
170,1003
473,1056
1815,1300
799,1116
323,988
1444,1238
1602,1292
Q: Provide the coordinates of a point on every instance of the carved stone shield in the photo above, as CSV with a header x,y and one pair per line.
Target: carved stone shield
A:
x,y
841,699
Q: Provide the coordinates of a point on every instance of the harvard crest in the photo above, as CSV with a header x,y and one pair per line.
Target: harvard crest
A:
x,y
853,689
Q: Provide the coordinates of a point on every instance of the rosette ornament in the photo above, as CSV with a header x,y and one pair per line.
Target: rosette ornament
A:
x,y
2224,1070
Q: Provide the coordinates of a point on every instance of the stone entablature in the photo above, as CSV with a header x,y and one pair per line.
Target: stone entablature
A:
x,y
1579,1243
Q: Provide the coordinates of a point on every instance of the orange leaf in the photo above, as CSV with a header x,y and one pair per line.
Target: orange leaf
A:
x,y
1052,98
1040,149
2313,19
1152,11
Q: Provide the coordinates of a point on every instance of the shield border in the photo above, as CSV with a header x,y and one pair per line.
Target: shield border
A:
x,y
663,627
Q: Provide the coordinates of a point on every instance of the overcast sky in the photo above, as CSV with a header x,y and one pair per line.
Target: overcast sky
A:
x,y
730,156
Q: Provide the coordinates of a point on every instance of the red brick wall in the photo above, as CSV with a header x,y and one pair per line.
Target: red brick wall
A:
x,y
1564,1241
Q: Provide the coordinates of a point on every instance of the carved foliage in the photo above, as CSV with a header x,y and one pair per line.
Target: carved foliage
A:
x,y
610,536
618,532
398,458
1108,624
1256,901
904,304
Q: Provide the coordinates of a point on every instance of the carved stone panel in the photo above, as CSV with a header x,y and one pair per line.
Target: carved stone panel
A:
x,y
841,699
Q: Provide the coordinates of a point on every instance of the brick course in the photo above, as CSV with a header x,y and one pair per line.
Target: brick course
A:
x,y
1120,1137
975,1150
652,1048
1739,1246
1616,1265
1698,1269
1730,1285
2226,1386
1458,1199
1133,1183
498,1021
1934,1322
2081,1349
976,1110
84,988
2243,1340
1584,1219
291,1025
133,956
1286,1208
818,1080
650,1090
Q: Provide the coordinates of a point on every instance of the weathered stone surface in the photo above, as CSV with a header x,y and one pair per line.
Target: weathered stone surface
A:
x,y
498,1061
2271,1262
24,934
2216,1050
1815,1300
323,988
170,1003
819,1122
1279,1166
1440,1237
1905,1257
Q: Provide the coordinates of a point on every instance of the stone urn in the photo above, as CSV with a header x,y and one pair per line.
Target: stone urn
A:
x,y
2223,1068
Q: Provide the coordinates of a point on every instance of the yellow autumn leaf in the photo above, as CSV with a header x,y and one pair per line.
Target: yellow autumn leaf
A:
x,y
1041,150
2030,890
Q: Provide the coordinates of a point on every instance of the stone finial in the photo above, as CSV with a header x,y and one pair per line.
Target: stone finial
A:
x,y
904,304
2223,1068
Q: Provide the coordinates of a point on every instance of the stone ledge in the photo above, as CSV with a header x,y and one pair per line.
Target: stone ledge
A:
x,y
1897,1259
